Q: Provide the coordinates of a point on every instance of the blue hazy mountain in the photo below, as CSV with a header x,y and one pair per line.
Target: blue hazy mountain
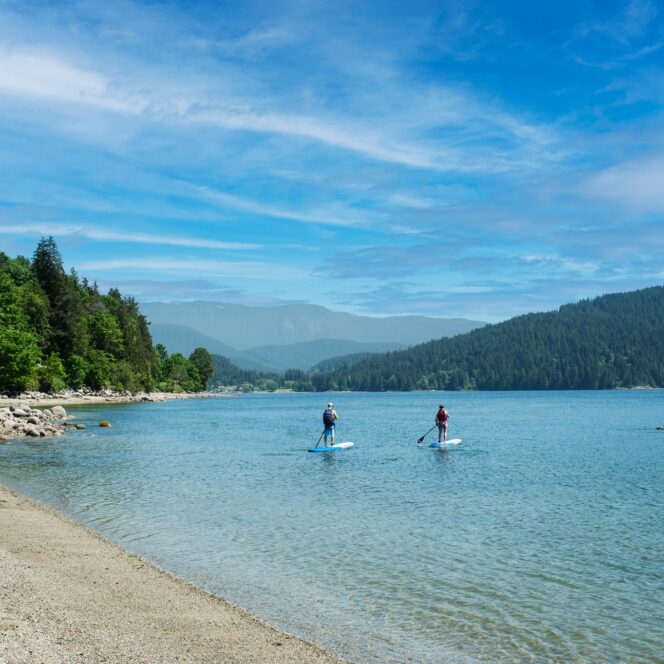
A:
x,y
243,327
303,355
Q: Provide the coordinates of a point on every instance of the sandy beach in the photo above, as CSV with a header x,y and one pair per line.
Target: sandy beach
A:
x,y
68,595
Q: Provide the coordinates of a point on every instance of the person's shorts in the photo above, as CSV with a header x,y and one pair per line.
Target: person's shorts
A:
x,y
442,426
329,431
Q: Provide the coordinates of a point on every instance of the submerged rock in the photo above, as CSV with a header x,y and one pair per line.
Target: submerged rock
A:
x,y
105,424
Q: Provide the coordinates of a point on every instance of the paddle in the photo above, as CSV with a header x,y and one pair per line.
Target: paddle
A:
x,y
419,440
318,441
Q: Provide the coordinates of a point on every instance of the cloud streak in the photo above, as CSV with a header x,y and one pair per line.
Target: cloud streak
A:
x,y
49,76
106,235
165,265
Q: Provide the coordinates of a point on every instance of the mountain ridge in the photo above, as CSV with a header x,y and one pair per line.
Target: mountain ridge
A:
x,y
243,327
268,358
616,340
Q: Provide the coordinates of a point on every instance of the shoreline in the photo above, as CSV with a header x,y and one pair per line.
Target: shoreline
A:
x,y
70,595
41,400
43,415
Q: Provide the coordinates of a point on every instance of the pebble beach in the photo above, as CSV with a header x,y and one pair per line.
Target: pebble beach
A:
x,y
68,595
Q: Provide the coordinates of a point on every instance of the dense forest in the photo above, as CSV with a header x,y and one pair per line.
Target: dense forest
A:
x,y
611,341
59,331
227,373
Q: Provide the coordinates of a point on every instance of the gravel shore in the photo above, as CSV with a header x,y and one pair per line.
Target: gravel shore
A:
x,y
68,595
42,400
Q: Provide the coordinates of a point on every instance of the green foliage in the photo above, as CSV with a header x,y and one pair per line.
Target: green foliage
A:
x,y
178,374
612,341
202,360
58,331
99,366
228,374
268,384
19,358
105,333
77,369
52,375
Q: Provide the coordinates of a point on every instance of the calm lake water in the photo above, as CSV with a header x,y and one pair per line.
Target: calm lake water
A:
x,y
542,539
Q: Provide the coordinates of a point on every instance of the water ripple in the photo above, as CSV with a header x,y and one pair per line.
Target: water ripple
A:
x,y
542,544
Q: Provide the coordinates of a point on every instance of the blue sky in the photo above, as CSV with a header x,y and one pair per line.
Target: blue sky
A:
x,y
478,159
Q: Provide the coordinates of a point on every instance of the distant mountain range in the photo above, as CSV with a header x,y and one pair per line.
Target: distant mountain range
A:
x,y
290,336
269,358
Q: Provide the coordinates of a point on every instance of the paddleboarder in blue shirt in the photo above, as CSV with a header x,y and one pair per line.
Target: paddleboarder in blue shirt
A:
x,y
329,418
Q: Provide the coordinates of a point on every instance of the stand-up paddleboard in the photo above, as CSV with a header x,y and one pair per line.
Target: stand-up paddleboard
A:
x,y
448,443
331,448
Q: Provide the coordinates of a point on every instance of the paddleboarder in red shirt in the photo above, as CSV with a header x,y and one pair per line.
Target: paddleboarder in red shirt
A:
x,y
441,420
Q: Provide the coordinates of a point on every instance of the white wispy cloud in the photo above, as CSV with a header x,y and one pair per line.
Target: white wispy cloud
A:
x,y
398,137
252,42
412,201
37,73
102,234
245,270
340,217
637,185
565,264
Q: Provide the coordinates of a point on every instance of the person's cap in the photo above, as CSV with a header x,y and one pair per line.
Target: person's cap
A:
x,y
441,406
329,405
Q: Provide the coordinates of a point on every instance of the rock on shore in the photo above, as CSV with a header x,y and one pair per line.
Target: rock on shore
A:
x,y
23,420
19,417
86,396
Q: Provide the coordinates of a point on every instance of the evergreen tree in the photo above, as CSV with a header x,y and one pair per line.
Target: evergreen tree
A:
x,y
202,360
57,330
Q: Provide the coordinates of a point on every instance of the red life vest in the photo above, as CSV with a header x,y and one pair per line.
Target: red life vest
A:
x,y
442,415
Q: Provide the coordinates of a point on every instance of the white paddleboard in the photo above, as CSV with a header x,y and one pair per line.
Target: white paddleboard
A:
x,y
453,442
331,448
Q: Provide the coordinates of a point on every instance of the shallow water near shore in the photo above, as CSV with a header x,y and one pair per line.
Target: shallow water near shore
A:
x,y
539,540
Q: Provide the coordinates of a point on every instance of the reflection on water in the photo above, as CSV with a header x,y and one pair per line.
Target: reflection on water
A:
x,y
538,540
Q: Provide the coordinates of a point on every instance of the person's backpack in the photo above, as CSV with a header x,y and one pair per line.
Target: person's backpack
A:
x,y
328,418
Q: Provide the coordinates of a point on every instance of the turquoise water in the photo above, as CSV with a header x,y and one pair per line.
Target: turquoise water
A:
x,y
540,540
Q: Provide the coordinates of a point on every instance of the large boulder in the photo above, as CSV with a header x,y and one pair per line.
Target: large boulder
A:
x,y
59,412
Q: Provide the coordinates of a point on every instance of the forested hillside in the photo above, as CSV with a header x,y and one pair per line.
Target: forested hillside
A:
x,y
611,341
58,331
226,373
